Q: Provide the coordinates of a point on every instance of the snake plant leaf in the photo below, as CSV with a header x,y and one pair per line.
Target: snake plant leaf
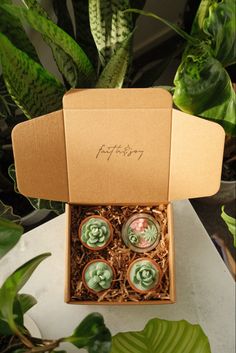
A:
x,y
63,17
32,88
216,21
91,333
110,26
11,26
230,222
82,28
10,234
70,58
113,74
203,87
162,336
11,287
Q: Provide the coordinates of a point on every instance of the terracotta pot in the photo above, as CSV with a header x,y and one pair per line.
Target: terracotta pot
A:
x,y
84,272
99,247
155,264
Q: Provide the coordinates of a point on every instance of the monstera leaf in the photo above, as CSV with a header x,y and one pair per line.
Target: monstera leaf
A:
x,y
162,336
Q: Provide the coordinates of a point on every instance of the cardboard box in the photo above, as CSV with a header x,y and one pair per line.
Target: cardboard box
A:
x,y
118,147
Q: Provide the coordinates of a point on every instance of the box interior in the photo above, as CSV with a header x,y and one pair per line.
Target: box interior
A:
x,y
119,256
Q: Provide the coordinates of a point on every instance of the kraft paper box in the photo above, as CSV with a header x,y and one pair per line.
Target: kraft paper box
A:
x,y
120,147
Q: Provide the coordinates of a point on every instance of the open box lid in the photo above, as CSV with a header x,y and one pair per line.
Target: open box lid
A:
x,y
118,146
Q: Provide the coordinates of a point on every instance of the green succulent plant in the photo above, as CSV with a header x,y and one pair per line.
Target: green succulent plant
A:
x,y
144,275
98,276
150,233
95,232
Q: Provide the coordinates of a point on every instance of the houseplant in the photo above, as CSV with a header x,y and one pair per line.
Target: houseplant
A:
x,y
202,85
85,58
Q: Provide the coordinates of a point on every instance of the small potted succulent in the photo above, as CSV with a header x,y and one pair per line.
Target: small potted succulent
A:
x,y
98,276
95,232
144,275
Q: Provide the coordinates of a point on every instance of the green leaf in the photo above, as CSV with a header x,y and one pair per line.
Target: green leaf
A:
x,y
171,25
63,17
230,222
203,87
92,334
82,28
162,336
137,4
33,88
110,26
26,302
11,287
6,212
11,26
113,74
10,234
216,21
75,65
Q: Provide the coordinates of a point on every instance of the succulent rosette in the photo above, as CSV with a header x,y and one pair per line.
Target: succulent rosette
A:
x,y
98,276
143,275
95,232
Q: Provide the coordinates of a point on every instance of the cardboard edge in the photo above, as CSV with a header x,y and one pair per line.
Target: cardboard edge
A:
x,y
67,288
171,253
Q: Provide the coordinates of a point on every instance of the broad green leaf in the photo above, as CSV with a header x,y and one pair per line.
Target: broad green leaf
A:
x,y
6,212
113,74
110,26
18,319
81,73
203,87
230,222
63,17
91,334
162,336
11,26
7,106
10,234
82,28
26,302
11,287
64,62
216,20
33,88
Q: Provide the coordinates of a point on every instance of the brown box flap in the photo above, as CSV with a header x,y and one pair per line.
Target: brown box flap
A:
x,y
40,157
117,146
196,156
